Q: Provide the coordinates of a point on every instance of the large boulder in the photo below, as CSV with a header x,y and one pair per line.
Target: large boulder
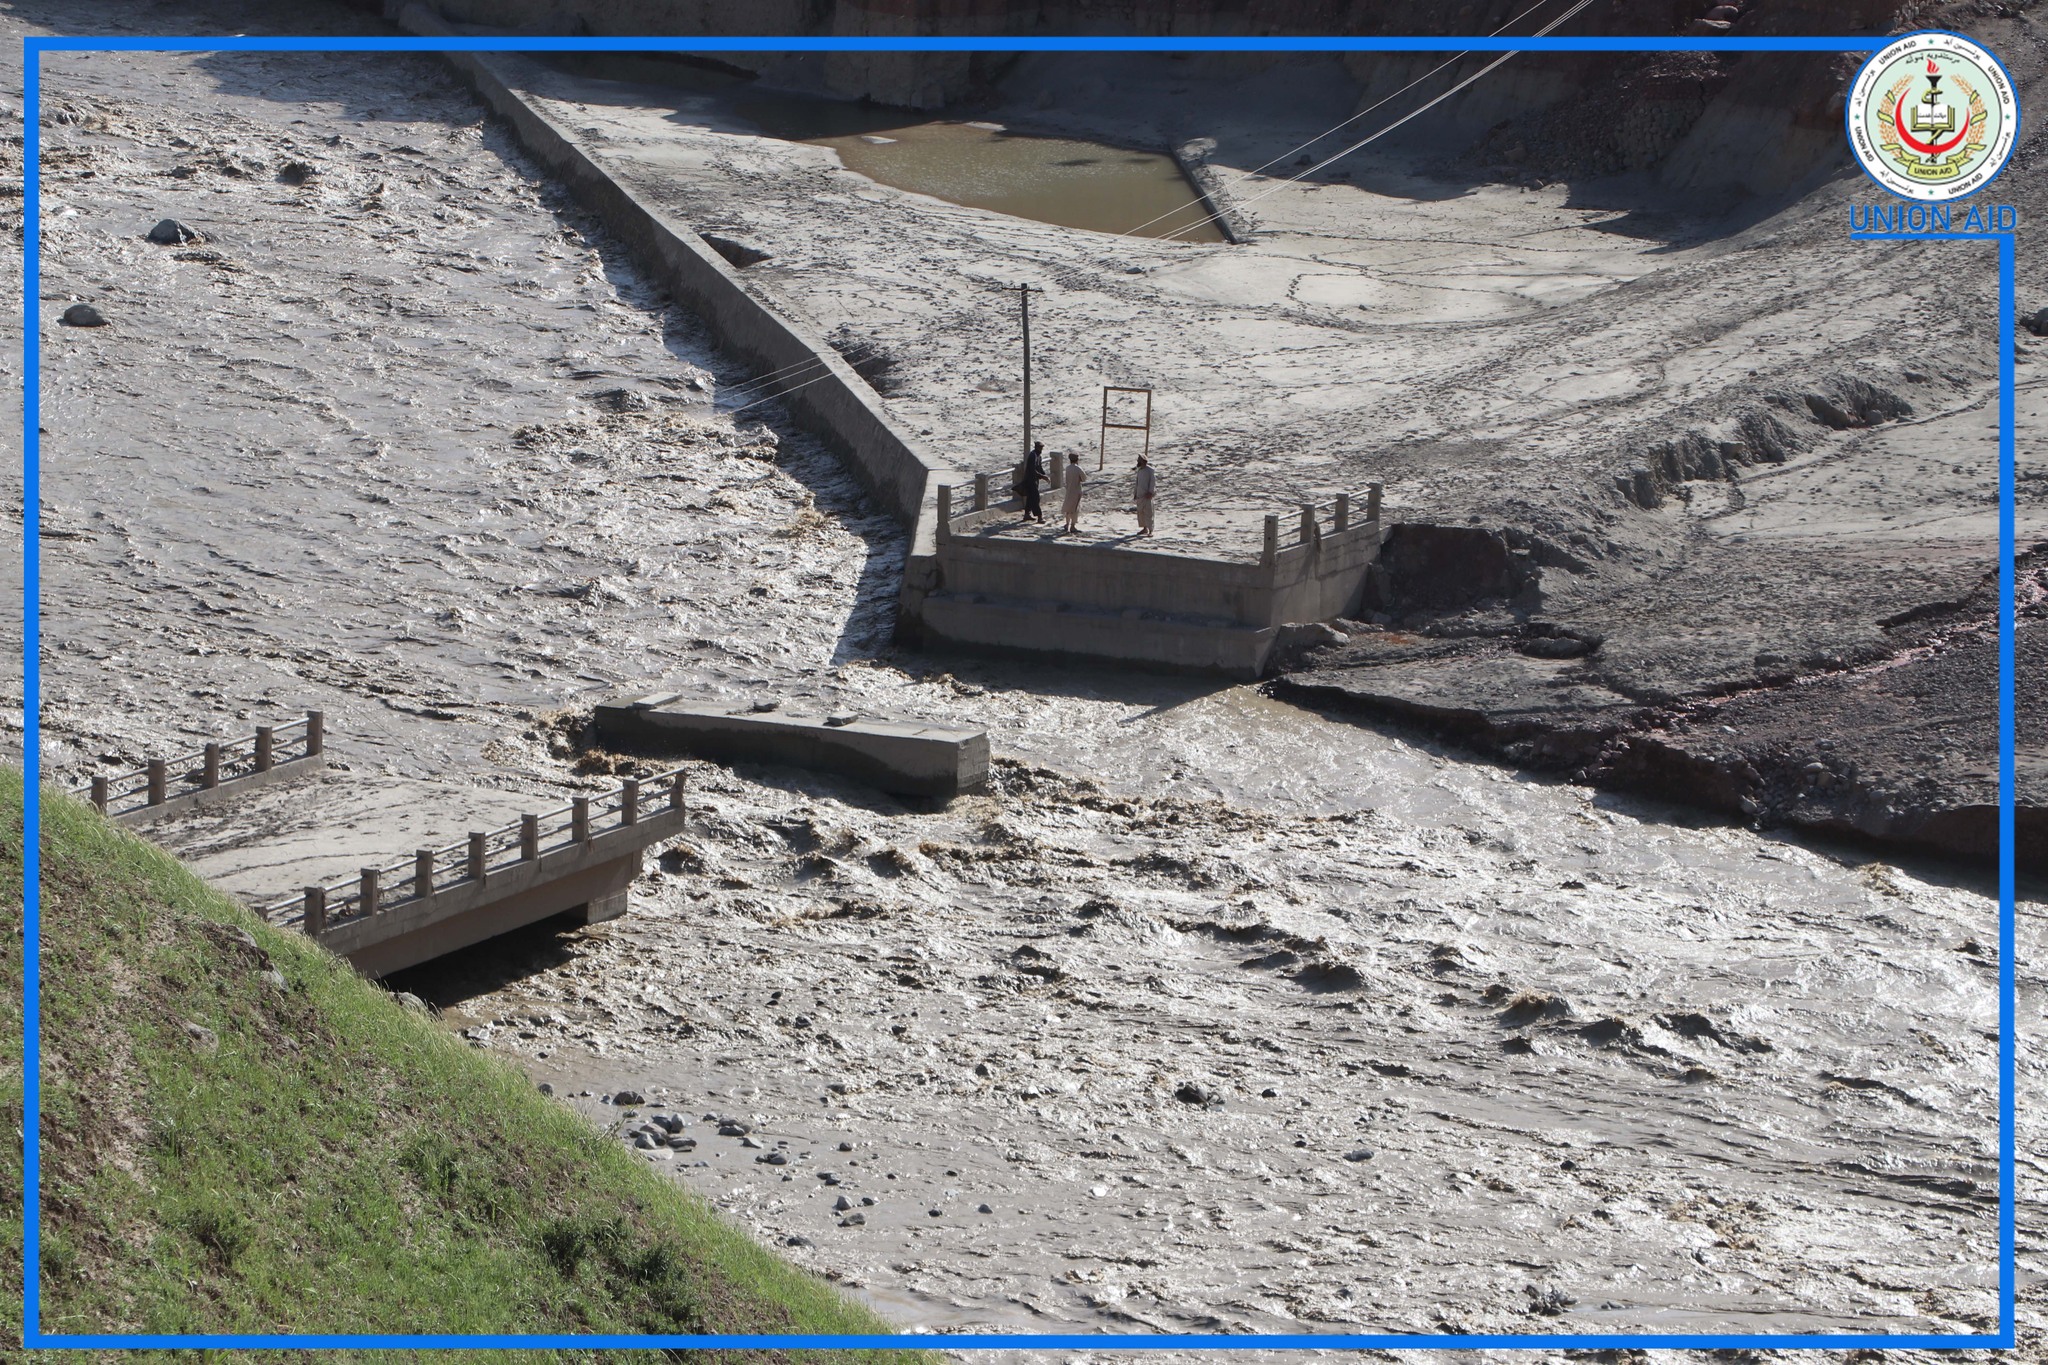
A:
x,y
171,232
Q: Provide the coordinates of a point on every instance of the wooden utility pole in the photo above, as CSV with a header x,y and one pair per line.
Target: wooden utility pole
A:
x,y
1024,293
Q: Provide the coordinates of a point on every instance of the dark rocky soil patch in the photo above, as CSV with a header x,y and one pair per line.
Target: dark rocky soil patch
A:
x,y
1901,748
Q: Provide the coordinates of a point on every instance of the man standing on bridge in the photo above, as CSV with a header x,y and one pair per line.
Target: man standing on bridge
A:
x,y
1071,509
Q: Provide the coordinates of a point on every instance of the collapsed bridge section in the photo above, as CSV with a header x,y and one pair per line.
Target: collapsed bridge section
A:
x,y
582,857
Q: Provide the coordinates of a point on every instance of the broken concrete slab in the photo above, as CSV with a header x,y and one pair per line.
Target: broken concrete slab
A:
x,y
905,758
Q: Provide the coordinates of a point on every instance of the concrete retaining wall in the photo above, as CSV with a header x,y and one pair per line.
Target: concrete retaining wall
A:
x,y
839,406
1104,578
1129,636
992,593
1323,578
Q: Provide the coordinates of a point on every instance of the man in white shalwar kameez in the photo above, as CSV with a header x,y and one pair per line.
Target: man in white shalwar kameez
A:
x,y
1144,486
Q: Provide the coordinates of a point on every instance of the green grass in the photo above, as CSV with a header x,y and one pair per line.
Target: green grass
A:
x,y
10,1056
321,1160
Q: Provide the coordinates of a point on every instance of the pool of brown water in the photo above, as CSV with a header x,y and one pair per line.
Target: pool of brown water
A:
x,y
1064,181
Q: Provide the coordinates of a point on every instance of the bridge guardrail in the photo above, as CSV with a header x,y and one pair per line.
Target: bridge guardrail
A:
x,y
1308,527
481,854
161,781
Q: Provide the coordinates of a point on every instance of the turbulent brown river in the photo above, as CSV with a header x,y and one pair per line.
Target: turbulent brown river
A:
x,y
1212,1013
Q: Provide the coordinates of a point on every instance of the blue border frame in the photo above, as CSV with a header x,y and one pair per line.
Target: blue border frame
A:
x,y
34,47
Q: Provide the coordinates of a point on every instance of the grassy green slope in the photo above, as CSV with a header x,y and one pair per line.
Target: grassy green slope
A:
x,y
10,1055
225,1151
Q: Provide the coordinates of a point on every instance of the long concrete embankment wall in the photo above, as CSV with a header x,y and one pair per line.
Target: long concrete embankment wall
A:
x,y
830,398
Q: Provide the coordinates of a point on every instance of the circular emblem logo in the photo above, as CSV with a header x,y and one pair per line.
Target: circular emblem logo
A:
x,y
1933,117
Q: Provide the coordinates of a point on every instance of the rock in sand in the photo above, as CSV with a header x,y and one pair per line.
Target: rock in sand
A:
x,y
171,232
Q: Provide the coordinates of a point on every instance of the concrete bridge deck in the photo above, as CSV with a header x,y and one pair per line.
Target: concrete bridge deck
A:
x,y
326,855
906,758
582,857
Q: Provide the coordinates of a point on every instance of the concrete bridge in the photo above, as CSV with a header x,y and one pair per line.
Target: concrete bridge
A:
x,y
582,857
993,583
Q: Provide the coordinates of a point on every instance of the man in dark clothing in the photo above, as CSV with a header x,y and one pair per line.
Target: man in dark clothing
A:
x,y
1034,475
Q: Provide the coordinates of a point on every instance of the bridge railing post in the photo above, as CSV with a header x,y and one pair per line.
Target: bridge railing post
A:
x,y
368,893
529,837
1270,551
629,801
579,819
157,776
209,775
423,872
479,856
316,911
266,747
99,793
1342,520
316,733
676,798
1373,493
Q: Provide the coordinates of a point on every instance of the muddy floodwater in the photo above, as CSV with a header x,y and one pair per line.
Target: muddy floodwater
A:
x,y
1211,1013
979,164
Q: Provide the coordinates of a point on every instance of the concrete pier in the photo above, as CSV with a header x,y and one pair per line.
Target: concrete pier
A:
x,y
995,591
907,758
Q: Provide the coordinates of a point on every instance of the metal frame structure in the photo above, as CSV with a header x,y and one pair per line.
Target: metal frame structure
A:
x,y
1102,441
